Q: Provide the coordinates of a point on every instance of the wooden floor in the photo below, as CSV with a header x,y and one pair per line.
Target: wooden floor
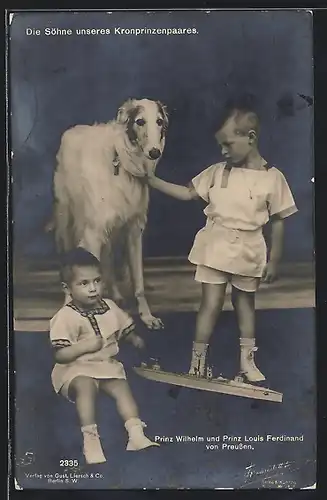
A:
x,y
170,287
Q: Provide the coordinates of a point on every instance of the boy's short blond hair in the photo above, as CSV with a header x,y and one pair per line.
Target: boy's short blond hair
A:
x,y
245,121
243,115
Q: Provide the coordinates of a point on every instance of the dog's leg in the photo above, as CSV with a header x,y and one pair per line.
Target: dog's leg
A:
x,y
109,276
91,242
116,295
136,265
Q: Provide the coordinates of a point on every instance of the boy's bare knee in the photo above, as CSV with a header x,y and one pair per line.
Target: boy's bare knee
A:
x,y
213,298
82,384
242,300
234,296
213,307
239,294
114,386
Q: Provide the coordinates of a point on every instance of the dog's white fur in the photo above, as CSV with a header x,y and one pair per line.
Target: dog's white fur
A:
x,y
97,200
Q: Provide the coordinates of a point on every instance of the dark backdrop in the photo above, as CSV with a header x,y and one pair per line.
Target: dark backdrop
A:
x,y
59,81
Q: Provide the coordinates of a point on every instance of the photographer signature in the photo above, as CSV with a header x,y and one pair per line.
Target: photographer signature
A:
x,y
272,475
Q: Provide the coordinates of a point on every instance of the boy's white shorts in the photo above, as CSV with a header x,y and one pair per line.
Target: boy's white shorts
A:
x,y
206,274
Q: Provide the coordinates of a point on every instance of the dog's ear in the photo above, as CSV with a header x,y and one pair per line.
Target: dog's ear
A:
x,y
163,110
124,112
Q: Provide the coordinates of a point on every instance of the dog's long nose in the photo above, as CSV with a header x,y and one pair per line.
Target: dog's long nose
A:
x,y
154,153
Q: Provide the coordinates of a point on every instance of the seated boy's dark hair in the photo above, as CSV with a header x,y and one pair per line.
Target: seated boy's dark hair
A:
x,y
241,107
76,257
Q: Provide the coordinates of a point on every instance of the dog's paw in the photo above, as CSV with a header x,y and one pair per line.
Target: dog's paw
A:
x,y
151,322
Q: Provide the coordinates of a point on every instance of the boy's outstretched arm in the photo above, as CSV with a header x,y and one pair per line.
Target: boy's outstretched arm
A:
x,y
184,193
276,250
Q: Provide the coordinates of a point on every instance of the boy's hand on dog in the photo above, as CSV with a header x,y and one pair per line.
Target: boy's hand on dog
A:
x,y
269,274
150,179
150,167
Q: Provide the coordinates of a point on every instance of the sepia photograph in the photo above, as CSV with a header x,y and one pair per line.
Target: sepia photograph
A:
x,y
162,167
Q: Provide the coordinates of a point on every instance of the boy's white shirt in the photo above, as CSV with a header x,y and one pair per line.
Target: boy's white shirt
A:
x,y
240,202
67,327
250,198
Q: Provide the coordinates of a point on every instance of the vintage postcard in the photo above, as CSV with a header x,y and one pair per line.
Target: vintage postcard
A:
x,y
162,249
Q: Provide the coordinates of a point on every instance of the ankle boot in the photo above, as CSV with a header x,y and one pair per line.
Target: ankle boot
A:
x,y
248,367
92,445
199,352
136,438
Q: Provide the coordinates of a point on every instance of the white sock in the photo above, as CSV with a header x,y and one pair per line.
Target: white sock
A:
x,y
248,342
200,347
91,428
133,421
199,352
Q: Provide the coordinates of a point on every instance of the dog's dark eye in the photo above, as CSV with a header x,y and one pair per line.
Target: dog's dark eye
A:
x,y
140,122
159,122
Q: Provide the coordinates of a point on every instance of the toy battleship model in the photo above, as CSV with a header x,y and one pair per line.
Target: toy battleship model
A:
x,y
235,387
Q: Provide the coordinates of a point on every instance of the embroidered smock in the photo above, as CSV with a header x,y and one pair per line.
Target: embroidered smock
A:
x,y
240,202
72,324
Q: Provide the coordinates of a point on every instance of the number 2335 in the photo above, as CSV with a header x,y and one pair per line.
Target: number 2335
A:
x,y
68,463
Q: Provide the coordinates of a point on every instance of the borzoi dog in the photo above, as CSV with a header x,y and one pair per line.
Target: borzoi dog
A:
x,y
101,192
